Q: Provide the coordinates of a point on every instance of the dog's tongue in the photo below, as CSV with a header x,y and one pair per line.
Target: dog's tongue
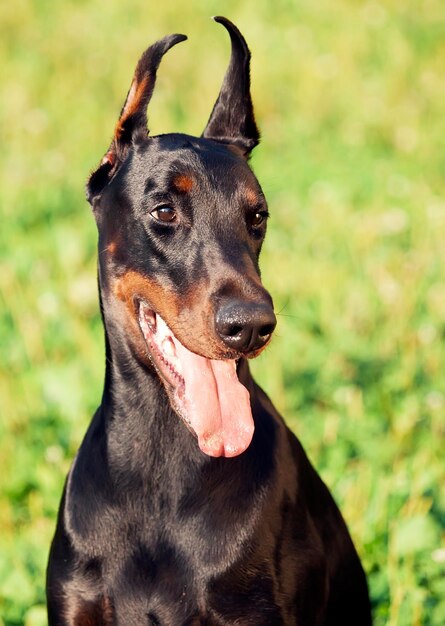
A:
x,y
217,404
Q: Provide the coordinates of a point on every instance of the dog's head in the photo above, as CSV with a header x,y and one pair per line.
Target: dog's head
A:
x,y
181,222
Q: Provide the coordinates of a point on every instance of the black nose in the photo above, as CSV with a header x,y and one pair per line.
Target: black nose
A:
x,y
245,326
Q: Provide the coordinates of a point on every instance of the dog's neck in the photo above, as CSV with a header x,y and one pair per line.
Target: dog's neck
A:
x,y
140,420
147,456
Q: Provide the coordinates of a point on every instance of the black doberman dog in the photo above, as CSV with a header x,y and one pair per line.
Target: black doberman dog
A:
x,y
190,502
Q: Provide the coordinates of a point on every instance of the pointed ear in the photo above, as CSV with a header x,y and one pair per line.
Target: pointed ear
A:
x,y
132,122
232,120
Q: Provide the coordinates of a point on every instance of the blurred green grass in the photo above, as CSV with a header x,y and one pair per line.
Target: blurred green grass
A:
x,y
350,98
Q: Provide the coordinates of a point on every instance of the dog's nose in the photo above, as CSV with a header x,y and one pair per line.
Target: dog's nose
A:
x,y
245,326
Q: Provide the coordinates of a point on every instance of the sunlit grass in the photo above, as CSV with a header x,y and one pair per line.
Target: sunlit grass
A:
x,y
349,97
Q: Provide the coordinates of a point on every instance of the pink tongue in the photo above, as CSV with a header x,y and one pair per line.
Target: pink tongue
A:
x,y
217,404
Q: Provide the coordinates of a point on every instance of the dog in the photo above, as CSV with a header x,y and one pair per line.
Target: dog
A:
x,y
190,502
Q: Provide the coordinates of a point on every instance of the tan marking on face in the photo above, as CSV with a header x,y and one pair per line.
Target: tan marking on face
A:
x,y
189,315
183,183
251,196
133,286
111,247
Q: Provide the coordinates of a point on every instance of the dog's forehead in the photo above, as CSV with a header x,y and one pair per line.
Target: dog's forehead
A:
x,y
187,163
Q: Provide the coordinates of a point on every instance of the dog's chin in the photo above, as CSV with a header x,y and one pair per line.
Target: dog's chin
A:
x,y
204,392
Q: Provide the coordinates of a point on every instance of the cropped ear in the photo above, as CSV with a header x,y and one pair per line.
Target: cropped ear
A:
x,y
132,122
232,120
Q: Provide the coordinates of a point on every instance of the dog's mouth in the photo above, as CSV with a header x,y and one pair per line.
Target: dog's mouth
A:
x,y
206,393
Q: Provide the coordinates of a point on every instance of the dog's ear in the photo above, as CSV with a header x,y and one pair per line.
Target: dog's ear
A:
x,y
232,120
132,122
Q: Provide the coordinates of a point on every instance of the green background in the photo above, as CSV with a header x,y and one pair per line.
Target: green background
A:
x,y
350,97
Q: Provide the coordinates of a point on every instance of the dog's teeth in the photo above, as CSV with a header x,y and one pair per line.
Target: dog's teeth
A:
x,y
150,318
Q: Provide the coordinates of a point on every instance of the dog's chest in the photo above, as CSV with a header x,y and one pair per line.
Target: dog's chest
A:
x,y
193,573
169,589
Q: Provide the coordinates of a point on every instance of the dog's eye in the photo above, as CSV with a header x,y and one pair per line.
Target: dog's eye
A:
x,y
164,214
258,218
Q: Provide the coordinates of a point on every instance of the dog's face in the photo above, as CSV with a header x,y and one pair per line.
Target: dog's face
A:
x,y
185,220
181,221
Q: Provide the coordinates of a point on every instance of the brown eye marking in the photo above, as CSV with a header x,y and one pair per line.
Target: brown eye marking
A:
x,y
183,183
251,196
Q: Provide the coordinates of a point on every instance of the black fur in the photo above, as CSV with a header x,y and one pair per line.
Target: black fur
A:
x,y
151,531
